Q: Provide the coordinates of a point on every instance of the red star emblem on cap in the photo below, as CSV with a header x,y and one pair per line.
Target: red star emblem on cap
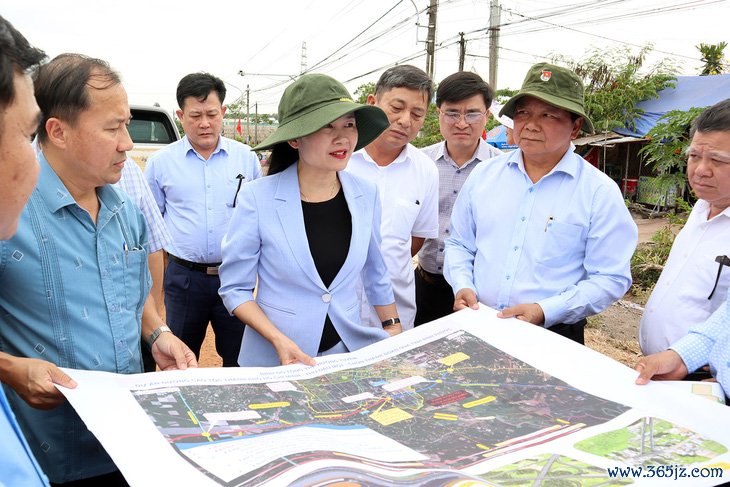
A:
x,y
546,75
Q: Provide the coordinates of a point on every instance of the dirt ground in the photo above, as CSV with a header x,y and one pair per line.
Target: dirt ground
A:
x,y
612,332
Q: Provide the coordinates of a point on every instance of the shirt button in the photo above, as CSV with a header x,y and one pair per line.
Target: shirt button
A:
x,y
439,268
523,218
516,247
326,298
531,190
455,192
458,171
447,230
441,250
508,277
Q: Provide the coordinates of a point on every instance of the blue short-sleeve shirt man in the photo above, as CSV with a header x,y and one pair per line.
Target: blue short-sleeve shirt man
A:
x,y
75,295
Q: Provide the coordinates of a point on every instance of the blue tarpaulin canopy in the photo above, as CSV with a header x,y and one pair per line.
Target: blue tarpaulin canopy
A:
x,y
689,92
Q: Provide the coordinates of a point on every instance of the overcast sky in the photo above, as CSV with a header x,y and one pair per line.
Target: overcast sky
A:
x,y
154,43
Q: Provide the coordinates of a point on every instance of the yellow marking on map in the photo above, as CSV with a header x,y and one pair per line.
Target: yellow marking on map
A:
x,y
479,402
390,416
439,381
192,417
283,422
483,447
386,401
446,417
206,434
562,421
270,405
454,359
324,416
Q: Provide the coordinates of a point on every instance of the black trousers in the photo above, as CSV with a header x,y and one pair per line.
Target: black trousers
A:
x,y
434,297
574,331
113,479
191,301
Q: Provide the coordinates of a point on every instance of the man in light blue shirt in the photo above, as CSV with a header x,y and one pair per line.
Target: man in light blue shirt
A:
x,y
18,174
195,182
707,343
539,233
74,278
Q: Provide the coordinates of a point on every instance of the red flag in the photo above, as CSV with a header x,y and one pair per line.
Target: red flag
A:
x,y
238,127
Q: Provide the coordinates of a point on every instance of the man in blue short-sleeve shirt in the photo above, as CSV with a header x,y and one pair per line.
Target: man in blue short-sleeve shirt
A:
x,y
74,278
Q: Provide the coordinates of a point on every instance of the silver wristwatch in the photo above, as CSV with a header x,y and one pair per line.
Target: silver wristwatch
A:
x,y
156,334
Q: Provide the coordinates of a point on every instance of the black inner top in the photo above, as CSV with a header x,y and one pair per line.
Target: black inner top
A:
x,y
329,229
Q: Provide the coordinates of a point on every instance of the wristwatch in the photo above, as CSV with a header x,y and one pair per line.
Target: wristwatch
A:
x,y
390,321
156,334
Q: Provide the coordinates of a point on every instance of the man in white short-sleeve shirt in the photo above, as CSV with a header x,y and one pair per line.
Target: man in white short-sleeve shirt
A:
x,y
693,283
407,181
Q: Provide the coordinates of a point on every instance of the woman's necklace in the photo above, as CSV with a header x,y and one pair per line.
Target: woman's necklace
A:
x,y
330,195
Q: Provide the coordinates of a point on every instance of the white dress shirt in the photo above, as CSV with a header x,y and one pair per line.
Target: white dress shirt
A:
x,y
408,189
679,299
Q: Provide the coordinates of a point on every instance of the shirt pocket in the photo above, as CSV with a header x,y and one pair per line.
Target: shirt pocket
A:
x,y
232,190
403,218
561,244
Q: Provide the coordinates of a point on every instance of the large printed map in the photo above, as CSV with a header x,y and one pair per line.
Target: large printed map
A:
x,y
448,404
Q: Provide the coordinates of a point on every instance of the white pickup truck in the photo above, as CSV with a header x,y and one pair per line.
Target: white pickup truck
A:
x,y
151,129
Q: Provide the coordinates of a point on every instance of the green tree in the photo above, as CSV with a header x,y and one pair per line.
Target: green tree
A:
x,y
615,80
429,133
362,92
668,142
713,55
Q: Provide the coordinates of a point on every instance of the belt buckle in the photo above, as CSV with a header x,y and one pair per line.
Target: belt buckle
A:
x,y
211,271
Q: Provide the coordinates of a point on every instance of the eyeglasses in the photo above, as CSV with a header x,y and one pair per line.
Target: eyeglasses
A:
x,y
723,260
453,116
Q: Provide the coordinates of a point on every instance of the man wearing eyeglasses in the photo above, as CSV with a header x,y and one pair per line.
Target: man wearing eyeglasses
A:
x,y
463,100
695,279
195,182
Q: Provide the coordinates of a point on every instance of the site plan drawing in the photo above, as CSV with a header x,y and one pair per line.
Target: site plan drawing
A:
x,y
446,403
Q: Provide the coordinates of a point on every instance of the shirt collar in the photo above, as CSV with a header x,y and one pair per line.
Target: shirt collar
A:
x,y
568,164
404,156
222,146
482,153
56,196
703,206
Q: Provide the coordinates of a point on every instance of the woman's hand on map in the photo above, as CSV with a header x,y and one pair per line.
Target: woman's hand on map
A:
x,y
666,365
289,353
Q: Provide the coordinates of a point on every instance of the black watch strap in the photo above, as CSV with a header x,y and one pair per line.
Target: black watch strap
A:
x,y
390,321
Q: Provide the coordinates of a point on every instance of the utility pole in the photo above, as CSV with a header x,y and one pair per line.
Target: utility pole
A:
x,y
431,39
256,126
248,117
303,62
462,51
494,21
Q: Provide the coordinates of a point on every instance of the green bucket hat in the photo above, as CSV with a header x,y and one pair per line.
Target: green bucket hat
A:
x,y
313,101
555,85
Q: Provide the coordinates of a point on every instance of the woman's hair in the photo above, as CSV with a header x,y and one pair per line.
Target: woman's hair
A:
x,y
282,156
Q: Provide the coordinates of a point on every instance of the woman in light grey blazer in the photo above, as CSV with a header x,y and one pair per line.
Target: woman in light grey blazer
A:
x,y
309,231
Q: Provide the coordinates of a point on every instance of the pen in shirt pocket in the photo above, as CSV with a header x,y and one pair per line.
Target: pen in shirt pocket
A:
x,y
549,221
126,254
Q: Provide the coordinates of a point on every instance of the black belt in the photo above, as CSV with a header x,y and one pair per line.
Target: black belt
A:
x,y
431,278
210,269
